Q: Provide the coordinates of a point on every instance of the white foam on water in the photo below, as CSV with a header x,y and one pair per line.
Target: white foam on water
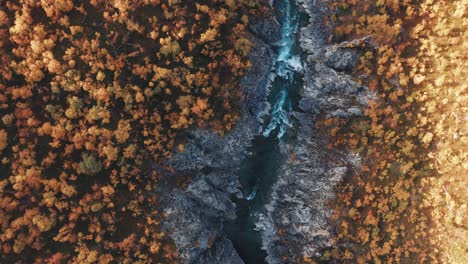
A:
x,y
286,65
252,195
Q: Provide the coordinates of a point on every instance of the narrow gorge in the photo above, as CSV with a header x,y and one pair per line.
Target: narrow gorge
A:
x,y
258,172
259,193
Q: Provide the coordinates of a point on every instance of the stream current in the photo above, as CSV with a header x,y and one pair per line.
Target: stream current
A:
x,y
259,171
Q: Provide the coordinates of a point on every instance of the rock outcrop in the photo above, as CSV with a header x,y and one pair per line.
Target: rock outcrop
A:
x,y
267,30
298,199
195,215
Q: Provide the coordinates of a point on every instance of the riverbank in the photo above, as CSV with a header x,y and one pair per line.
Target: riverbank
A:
x,y
259,170
195,214
295,222
409,202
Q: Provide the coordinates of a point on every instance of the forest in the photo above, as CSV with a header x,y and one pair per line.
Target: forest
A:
x,y
407,204
95,94
91,94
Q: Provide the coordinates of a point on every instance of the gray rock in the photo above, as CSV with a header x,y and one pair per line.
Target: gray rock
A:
x,y
269,30
341,59
211,197
313,36
355,111
344,56
221,252
190,228
340,113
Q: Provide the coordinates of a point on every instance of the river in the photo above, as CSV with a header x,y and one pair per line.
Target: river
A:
x,y
259,171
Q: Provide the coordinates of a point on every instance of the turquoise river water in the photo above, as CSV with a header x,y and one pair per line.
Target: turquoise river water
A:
x,y
259,171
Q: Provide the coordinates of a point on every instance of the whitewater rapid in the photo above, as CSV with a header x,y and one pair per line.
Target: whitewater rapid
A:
x,y
288,62
259,172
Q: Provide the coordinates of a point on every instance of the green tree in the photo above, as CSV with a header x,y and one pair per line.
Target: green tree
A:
x,y
90,165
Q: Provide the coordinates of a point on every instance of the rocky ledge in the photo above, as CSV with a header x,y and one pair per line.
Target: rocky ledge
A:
x,y
294,223
195,215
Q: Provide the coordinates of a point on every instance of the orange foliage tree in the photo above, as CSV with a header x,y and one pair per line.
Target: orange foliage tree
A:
x,y
394,209
90,92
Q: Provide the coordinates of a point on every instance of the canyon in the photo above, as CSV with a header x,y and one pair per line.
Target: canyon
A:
x,y
259,193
